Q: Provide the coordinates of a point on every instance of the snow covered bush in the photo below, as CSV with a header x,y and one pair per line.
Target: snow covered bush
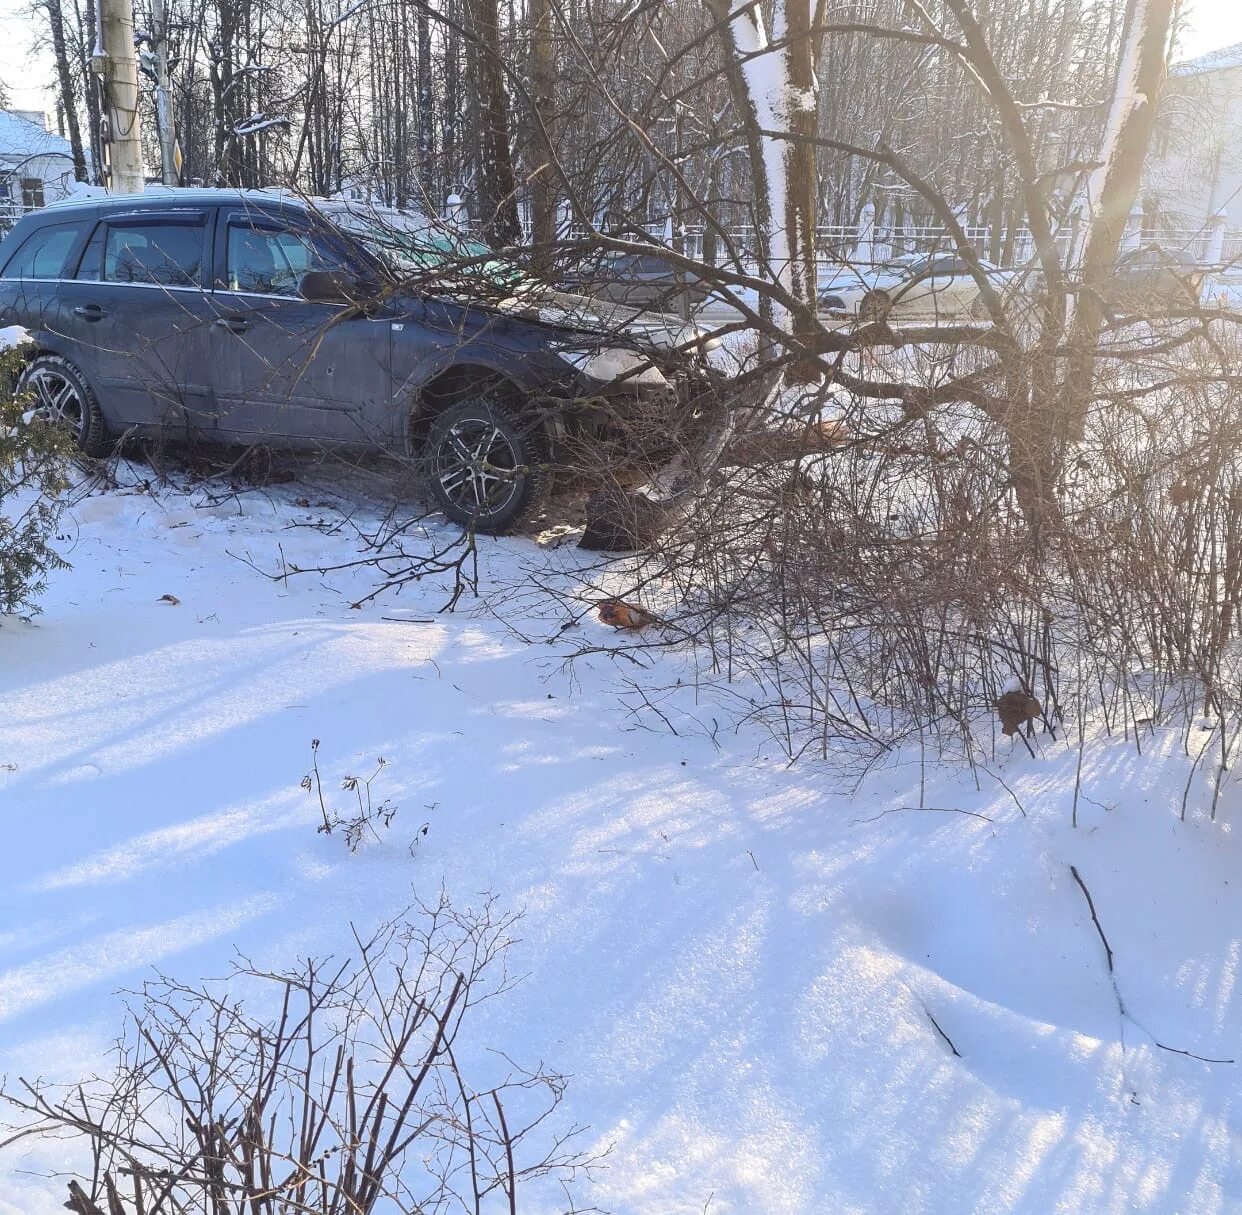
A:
x,y
33,463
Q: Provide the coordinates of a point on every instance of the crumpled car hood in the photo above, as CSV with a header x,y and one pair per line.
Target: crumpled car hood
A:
x,y
602,318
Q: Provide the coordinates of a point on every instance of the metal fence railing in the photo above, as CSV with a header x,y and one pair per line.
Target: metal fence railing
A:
x,y
10,213
848,244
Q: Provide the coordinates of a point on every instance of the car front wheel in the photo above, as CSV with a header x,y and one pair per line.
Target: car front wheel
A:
x,y
60,395
486,466
875,306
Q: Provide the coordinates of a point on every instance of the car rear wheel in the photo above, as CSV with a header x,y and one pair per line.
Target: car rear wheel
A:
x,y
61,396
486,466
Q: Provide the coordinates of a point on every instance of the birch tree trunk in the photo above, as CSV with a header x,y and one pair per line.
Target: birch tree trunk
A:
x,y
773,82
800,113
1113,187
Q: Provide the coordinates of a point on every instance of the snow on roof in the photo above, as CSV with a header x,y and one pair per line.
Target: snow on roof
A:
x,y
21,139
1219,60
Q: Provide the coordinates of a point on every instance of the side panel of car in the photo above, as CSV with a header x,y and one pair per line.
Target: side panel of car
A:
x,y
183,315
33,257
436,336
288,368
137,316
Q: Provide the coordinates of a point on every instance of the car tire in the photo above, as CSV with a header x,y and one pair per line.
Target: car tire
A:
x,y
61,394
875,306
487,467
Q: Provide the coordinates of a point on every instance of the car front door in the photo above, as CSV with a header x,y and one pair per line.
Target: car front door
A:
x,y
287,368
910,292
945,290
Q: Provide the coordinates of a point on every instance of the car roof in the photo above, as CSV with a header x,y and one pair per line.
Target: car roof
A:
x,y
160,197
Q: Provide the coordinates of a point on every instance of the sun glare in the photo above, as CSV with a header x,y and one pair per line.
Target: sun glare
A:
x,y
1209,25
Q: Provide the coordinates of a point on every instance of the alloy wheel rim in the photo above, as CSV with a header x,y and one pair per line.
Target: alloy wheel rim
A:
x,y
57,399
478,467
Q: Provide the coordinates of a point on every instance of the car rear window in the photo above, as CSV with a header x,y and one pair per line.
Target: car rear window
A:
x,y
165,254
44,253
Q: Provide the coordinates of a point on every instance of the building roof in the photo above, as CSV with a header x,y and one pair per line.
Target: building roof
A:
x,y
21,139
1219,60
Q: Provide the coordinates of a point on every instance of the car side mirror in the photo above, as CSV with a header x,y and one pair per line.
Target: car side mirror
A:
x,y
335,287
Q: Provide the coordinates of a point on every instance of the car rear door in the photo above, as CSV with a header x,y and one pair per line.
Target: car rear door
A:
x,y
32,260
138,311
287,368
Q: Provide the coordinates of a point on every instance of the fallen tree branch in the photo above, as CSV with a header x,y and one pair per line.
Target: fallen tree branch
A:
x,y
1112,974
930,809
1099,928
957,1054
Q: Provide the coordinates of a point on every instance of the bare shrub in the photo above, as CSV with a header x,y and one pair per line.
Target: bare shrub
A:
x,y
364,817
893,589
332,1086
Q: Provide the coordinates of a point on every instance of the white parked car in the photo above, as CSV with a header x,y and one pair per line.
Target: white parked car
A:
x,y
921,287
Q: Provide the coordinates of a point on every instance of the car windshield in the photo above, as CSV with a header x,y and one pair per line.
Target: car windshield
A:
x,y
410,248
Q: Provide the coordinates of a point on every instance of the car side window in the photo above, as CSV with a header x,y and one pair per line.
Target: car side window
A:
x,y
271,261
90,268
163,254
44,253
616,265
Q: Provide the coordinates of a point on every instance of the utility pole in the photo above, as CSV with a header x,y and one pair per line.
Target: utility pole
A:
x,y
116,63
163,111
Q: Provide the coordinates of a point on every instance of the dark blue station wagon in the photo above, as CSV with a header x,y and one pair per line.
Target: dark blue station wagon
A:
x,y
254,318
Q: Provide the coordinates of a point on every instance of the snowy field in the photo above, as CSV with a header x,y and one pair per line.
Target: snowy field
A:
x,y
738,963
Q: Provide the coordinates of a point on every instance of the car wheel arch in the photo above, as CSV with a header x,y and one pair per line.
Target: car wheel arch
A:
x,y
91,433
455,383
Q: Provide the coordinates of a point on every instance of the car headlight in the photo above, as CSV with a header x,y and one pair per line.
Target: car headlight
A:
x,y
612,363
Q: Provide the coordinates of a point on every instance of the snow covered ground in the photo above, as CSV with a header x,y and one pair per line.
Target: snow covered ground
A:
x,y
738,963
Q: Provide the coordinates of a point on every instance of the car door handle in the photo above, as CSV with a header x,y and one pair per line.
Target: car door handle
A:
x,y
234,324
90,312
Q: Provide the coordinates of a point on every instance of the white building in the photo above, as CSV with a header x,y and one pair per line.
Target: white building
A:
x,y
1194,169
36,167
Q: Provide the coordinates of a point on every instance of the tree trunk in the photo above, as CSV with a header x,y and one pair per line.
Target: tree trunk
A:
x,y
497,186
426,113
742,32
543,88
68,94
801,193
88,32
774,90
1113,187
